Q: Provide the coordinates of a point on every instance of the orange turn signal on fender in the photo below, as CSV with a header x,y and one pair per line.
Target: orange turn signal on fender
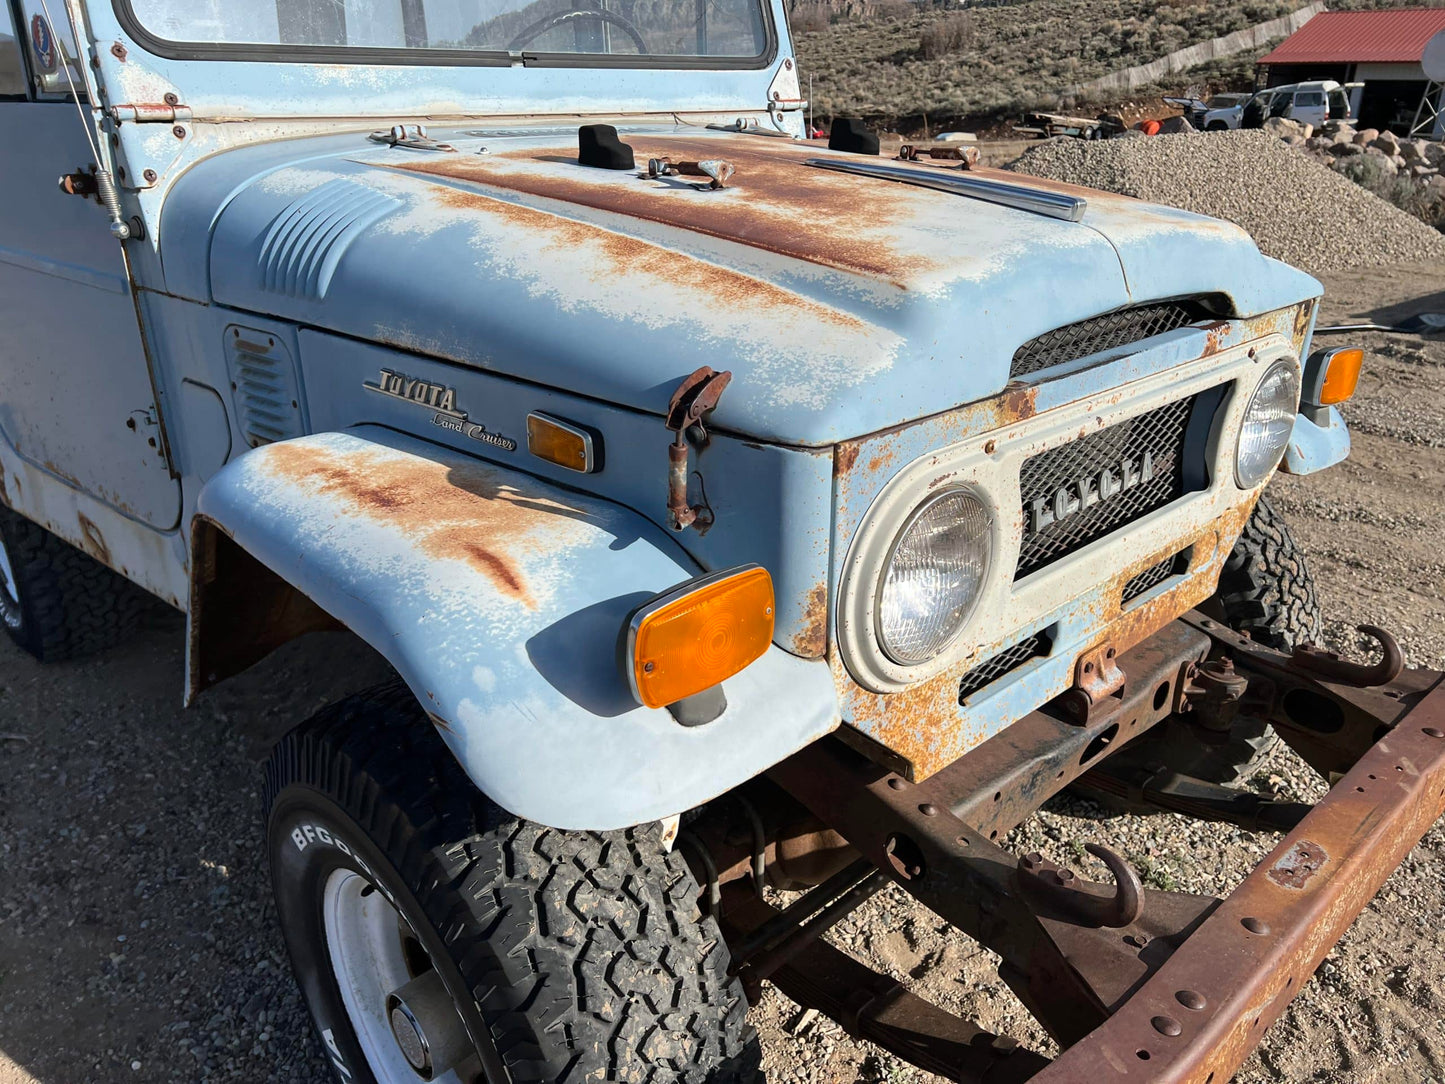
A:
x,y
697,635
1342,375
1330,376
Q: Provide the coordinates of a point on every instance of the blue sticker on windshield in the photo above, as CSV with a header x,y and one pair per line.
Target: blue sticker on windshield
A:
x,y
43,42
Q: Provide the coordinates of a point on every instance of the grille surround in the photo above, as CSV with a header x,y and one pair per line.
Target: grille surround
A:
x,y
1001,665
1160,432
1110,330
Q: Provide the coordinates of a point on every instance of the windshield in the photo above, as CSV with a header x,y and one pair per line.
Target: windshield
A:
x,y
734,29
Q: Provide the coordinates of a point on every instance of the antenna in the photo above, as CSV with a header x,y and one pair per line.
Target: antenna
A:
x,y
104,182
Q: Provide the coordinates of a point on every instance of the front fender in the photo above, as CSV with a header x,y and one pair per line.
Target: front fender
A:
x,y
499,598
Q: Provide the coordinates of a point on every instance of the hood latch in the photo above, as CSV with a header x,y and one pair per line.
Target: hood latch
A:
x,y
694,398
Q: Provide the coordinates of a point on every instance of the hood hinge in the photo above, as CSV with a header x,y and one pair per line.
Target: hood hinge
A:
x,y
151,112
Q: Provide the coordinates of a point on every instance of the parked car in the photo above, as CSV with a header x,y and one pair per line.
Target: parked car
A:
x,y
1310,103
730,512
1194,109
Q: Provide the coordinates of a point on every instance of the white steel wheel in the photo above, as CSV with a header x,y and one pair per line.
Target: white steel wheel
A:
x,y
9,589
404,1019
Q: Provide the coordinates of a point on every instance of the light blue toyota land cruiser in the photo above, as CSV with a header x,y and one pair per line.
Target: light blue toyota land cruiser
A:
x,y
740,516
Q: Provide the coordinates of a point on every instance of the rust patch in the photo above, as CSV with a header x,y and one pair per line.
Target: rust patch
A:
x,y
92,541
1298,864
1016,404
843,461
627,255
776,203
453,511
920,724
438,722
1216,337
811,641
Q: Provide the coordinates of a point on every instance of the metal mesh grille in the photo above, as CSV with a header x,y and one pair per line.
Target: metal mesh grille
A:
x,y
1111,459
1007,660
1153,576
1112,329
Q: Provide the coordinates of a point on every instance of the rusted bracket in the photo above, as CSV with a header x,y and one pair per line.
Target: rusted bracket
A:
x,y
1097,677
693,400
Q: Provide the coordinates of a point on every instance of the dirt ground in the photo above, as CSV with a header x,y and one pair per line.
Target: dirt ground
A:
x,y
137,939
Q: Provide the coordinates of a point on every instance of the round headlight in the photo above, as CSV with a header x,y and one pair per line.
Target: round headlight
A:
x,y
934,576
1268,422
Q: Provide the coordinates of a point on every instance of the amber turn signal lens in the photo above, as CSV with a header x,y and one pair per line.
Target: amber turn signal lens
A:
x,y
1342,376
558,442
695,636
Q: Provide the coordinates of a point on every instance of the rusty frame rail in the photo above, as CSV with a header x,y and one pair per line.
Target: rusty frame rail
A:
x,y
1157,986
1201,1013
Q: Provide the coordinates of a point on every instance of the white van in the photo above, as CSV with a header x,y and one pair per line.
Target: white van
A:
x,y
1310,103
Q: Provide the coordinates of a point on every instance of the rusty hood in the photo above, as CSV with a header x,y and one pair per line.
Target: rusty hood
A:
x,y
843,304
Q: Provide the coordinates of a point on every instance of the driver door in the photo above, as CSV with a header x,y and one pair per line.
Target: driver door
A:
x,y
77,396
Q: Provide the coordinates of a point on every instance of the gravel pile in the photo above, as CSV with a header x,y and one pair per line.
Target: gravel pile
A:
x,y
1295,209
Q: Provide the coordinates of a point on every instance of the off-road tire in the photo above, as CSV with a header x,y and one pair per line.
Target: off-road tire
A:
x,y
570,955
1217,126
68,604
1266,592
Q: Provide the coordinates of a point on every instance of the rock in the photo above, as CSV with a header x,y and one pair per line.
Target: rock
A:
x,y
1338,127
1296,209
1413,150
1388,166
1434,153
1436,184
1177,126
1422,170
1365,136
1400,163
1374,150
1347,150
1319,143
1281,127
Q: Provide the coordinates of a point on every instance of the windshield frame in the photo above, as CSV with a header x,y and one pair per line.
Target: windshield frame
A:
x,y
447,58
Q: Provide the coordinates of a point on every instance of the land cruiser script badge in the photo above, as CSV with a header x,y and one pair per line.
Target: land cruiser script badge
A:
x,y
1085,492
442,401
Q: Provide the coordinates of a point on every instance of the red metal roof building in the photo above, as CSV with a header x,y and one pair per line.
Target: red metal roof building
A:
x,y
1381,49
1396,36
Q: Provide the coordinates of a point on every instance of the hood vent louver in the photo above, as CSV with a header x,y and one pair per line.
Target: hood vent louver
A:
x,y
264,387
305,242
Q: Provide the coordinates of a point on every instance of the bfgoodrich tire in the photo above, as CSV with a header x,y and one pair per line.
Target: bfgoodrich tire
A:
x,y
58,603
563,956
1266,592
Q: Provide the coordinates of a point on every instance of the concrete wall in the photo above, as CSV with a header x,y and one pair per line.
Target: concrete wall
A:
x,y
1253,37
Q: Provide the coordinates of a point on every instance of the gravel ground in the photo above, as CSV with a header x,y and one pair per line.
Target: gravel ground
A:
x,y
1296,209
137,937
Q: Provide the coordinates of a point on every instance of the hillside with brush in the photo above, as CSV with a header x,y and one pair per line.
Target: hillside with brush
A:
x,y
893,59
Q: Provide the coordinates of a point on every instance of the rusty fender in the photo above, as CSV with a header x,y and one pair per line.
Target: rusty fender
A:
x,y
499,599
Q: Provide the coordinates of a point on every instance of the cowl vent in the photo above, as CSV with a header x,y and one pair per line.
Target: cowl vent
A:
x,y
305,242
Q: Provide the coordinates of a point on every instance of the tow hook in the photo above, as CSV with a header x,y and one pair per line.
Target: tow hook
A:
x,y
1328,665
694,398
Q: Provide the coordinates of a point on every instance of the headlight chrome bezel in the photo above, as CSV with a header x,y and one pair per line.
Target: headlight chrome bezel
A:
x,y
919,512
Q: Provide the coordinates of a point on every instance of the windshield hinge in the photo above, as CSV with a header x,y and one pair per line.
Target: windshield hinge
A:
x,y
167,112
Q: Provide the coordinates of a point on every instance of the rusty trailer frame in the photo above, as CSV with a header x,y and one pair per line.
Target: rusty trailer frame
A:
x,y
1132,982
